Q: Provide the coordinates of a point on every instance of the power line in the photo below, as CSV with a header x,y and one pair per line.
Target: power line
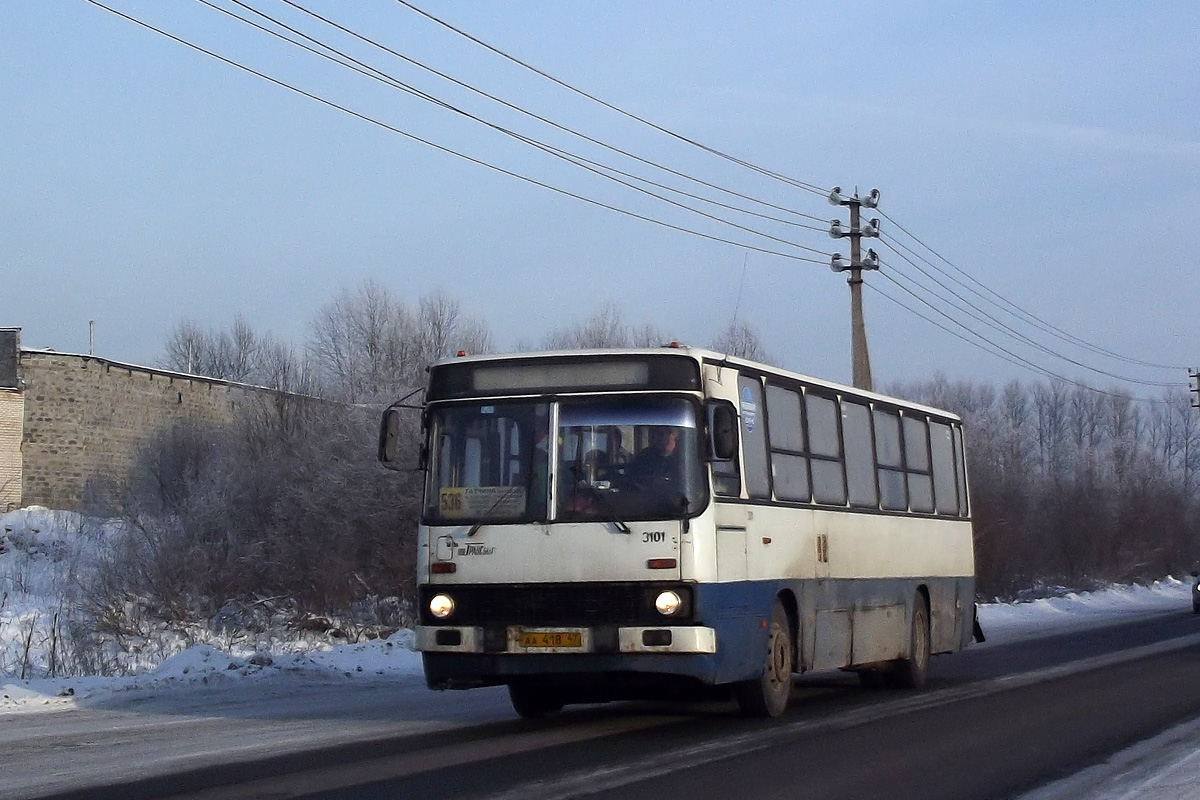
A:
x,y
630,115
442,148
520,109
577,160
1016,310
1029,317
985,345
991,321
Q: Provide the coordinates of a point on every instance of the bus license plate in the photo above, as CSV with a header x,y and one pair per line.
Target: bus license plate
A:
x,y
551,639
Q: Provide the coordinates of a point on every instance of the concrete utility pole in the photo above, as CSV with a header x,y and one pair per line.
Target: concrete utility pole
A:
x,y
859,355
1194,386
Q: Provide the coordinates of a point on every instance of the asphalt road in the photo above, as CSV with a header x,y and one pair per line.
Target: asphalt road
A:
x,y
993,723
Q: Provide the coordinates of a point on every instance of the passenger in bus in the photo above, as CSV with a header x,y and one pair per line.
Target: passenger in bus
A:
x,y
588,476
595,466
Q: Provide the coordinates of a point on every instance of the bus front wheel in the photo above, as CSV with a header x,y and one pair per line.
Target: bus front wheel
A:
x,y
531,701
767,695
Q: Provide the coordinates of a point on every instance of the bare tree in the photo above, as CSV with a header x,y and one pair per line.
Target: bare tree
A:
x,y
369,346
604,328
237,353
442,328
740,339
362,343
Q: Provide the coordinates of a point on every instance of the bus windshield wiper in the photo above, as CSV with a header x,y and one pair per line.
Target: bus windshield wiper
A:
x,y
603,501
474,529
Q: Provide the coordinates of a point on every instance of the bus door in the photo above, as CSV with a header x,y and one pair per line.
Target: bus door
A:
x,y
733,521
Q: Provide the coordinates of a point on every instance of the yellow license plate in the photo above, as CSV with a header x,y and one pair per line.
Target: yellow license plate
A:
x,y
551,639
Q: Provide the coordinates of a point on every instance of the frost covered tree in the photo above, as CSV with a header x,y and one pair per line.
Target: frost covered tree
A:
x,y
740,339
369,345
236,353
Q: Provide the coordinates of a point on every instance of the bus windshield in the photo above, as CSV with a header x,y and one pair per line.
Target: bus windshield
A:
x,y
616,459
628,458
488,462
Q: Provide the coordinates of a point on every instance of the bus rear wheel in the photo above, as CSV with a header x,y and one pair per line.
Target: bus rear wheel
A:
x,y
911,672
768,695
531,701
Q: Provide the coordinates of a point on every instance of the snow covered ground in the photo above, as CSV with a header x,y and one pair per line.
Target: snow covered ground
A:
x,y
43,553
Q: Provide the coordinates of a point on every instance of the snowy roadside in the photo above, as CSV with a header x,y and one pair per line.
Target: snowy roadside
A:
x,y
45,662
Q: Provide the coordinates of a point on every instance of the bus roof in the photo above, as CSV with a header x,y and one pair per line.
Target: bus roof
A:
x,y
701,355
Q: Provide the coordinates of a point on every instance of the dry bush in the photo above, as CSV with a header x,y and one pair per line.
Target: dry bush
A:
x,y
289,502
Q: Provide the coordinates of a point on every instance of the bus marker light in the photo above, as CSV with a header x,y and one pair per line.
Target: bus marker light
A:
x,y
667,603
441,606
443,567
661,563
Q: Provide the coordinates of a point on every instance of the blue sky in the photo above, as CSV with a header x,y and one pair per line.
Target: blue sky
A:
x,y
1049,150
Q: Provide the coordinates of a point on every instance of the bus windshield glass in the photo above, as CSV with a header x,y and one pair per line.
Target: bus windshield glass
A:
x,y
627,458
488,461
617,459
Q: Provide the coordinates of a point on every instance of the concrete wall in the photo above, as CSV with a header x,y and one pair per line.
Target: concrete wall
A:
x,y
85,418
12,412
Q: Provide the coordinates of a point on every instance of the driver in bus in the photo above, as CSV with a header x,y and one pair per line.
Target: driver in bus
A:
x,y
659,461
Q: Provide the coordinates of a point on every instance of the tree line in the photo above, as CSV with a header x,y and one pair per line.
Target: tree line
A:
x,y
1070,486
367,345
1075,486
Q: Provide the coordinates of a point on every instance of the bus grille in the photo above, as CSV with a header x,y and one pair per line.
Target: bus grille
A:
x,y
580,604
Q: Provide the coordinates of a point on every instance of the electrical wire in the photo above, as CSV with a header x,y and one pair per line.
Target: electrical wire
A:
x,y
987,319
809,187
441,148
986,345
1026,316
1016,310
599,168
577,160
558,126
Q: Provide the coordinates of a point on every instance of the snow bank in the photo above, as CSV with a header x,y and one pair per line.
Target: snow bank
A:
x,y
1080,610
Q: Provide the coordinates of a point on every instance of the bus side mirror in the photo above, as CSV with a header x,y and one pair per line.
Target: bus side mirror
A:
x,y
389,438
722,431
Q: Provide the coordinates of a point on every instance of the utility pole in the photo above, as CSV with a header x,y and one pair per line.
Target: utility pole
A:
x,y
1194,386
860,357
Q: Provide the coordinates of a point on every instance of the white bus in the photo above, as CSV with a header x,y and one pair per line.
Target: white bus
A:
x,y
613,524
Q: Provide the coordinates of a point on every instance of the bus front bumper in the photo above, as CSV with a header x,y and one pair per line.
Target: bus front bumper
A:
x,y
526,640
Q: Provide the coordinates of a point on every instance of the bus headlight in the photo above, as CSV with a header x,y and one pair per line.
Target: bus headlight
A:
x,y
667,603
441,606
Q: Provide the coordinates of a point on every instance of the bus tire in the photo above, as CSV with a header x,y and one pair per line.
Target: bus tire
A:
x,y
531,701
912,672
768,695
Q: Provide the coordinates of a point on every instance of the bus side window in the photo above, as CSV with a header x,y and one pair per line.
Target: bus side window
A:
x,y
891,462
825,445
860,458
754,440
960,462
916,459
945,489
789,465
